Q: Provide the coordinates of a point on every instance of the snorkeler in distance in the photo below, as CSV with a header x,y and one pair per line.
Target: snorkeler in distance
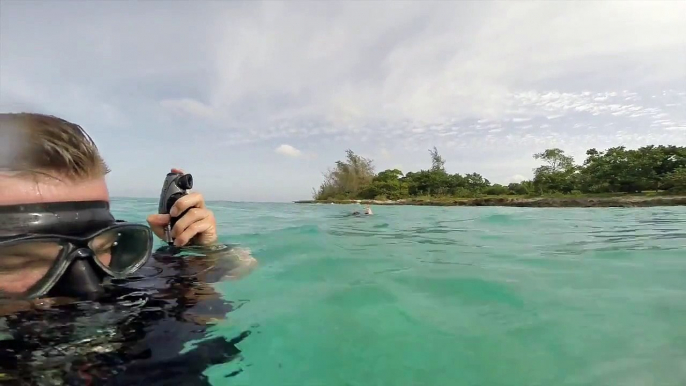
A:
x,y
62,249
367,211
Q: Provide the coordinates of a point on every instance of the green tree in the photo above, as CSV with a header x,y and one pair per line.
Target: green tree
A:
x,y
347,178
517,188
614,170
437,162
476,182
617,170
556,174
389,175
556,159
386,184
496,190
675,181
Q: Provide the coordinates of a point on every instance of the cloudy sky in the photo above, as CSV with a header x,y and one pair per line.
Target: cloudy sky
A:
x,y
257,99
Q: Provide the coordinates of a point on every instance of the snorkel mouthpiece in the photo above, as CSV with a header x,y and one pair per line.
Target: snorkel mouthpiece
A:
x,y
81,279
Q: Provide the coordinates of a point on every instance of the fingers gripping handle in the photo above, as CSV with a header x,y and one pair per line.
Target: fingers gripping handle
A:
x,y
176,185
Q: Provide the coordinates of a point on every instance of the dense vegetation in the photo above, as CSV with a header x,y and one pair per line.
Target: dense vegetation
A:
x,y
616,170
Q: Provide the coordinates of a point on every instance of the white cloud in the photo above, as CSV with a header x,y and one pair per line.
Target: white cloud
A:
x,y
489,82
188,106
412,62
516,178
288,150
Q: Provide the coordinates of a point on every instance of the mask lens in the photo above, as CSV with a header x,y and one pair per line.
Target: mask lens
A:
x,y
24,263
121,248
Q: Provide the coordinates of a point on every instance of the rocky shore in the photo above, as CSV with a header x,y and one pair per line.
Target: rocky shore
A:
x,y
534,202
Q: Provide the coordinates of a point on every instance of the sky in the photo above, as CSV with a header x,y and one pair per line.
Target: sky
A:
x,y
258,99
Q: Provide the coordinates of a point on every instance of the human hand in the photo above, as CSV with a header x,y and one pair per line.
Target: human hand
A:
x,y
198,226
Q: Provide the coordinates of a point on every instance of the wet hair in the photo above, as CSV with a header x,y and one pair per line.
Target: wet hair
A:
x,y
38,144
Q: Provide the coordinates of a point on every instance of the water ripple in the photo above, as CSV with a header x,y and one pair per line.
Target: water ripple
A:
x,y
490,296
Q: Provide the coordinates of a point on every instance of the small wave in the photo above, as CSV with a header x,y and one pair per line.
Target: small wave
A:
x,y
309,229
502,219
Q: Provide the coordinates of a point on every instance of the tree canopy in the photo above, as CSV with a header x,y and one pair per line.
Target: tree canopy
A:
x,y
615,170
348,177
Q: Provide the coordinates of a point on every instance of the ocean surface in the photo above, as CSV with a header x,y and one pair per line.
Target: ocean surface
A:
x,y
453,296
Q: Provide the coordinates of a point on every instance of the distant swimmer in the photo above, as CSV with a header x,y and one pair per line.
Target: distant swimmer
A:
x,y
367,211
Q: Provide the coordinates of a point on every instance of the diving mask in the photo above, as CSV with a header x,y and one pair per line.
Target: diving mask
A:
x,y
66,249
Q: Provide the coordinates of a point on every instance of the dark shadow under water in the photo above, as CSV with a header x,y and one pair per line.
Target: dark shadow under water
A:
x,y
133,336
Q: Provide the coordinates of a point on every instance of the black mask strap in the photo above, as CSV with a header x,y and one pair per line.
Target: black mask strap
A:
x,y
62,218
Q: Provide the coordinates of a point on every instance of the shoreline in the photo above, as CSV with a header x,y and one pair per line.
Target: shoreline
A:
x,y
533,202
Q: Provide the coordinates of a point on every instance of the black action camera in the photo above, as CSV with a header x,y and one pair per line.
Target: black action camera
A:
x,y
175,186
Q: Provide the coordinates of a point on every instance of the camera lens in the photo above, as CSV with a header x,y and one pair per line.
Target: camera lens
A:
x,y
185,182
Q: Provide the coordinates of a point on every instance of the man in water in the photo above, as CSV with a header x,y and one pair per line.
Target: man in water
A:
x,y
60,246
367,211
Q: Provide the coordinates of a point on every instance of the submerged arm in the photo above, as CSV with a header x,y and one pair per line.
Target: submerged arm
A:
x,y
230,262
191,272
234,261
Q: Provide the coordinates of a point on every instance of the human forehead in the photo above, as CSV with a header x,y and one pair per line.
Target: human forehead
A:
x,y
30,189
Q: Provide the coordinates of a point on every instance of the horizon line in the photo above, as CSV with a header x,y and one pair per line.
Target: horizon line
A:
x,y
210,200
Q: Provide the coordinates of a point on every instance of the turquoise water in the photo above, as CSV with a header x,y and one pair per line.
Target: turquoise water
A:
x,y
454,296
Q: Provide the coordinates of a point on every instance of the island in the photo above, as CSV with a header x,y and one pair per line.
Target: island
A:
x,y
617,177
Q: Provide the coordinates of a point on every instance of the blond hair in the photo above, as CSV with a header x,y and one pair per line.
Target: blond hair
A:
x,y
48,145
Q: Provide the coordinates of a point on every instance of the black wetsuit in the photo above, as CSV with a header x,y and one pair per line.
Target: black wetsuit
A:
x,y
131,337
